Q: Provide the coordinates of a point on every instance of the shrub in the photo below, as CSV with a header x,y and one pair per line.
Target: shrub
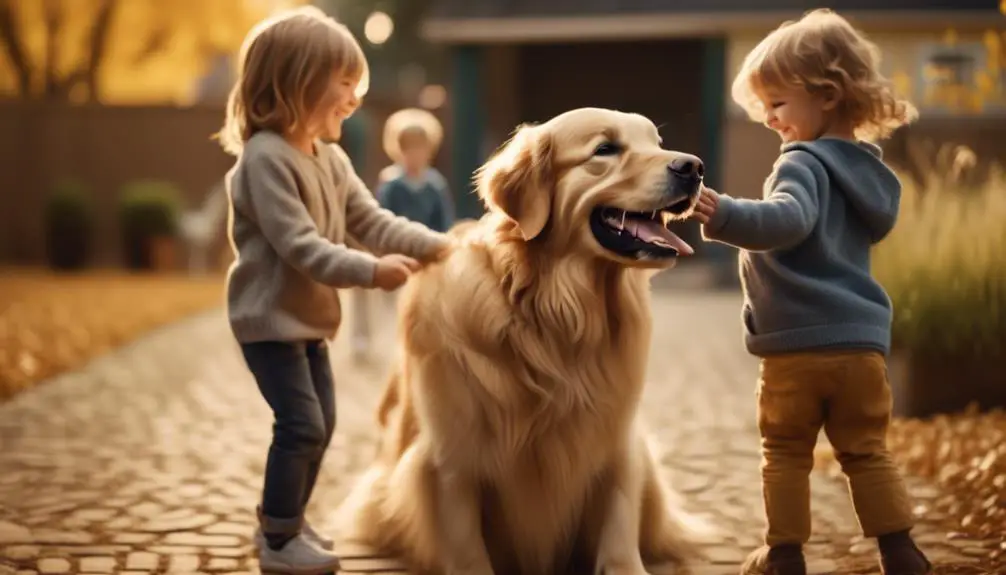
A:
x,y
944,264
148,209
69,225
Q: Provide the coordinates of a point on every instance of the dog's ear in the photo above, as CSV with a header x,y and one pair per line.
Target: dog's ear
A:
x,y
518,180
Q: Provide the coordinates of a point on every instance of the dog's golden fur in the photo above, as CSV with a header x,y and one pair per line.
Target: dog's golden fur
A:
x,y
510,439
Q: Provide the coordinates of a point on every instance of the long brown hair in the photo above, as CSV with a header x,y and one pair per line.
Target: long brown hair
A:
x,y
285,66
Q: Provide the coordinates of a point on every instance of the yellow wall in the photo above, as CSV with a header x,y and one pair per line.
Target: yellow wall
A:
x,y
903,55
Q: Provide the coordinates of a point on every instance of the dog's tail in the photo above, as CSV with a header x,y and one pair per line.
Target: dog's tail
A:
x,y
669,535
396,416
390,398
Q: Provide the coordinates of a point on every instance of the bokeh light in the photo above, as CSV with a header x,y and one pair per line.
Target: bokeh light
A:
x,y
378,28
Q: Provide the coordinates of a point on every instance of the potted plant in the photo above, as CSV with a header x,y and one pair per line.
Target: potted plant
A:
x,y
944,267
149,214
69,225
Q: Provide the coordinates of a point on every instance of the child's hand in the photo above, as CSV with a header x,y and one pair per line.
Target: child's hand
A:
x,y
443,251
393,270
709,201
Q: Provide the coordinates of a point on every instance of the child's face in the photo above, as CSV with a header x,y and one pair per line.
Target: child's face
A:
x,y
339,103
416,154
795,114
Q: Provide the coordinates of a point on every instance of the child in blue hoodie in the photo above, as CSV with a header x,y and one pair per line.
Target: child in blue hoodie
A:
x,y
812,312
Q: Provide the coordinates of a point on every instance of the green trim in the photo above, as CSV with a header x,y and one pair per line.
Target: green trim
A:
x,y
714,91
468,127
714,55
355,132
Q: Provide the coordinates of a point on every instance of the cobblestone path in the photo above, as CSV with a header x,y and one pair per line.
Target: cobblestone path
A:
x,y
150,459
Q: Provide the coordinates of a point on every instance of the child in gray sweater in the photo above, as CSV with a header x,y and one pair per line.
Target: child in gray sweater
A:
x,y
293,202
812,311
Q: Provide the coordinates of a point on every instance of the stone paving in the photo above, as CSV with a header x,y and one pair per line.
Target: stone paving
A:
x,y
150,459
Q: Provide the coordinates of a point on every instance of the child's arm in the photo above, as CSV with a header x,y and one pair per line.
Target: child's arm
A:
x,y
782,219
380,230
289,228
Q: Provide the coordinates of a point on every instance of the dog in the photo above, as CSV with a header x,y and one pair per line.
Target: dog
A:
x,y
510,438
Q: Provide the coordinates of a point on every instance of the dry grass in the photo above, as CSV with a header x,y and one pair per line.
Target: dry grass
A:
x,y
944,265
53,323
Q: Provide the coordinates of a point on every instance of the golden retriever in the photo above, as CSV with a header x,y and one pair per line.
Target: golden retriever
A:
x,y
510,441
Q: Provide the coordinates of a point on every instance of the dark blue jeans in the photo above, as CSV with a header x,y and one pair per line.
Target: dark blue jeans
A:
x,y
296,380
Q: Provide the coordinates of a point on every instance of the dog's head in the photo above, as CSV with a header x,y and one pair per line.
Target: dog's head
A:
x,y
594,181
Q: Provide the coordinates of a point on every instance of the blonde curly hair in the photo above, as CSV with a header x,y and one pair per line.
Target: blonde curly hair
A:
x,y
823,54
285,66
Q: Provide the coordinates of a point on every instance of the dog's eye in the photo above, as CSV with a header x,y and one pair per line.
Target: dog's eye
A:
x,y
608,149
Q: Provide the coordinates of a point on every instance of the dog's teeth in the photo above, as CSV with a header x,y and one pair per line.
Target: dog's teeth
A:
x,y
622,225
653,216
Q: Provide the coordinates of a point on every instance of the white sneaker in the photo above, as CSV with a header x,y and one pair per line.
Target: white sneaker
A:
x,y
307,531
319,539
298,557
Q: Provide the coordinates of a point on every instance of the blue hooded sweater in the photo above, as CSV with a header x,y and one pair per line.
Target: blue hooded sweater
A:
x,y
805,249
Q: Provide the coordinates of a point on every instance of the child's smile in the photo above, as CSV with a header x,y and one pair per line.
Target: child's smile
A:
x,y
795,114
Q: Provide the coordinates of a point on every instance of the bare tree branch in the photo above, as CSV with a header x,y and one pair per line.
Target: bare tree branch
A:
x,y
10,36
155,44
53,27
98,45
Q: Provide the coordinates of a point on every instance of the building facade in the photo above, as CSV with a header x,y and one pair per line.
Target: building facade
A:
x,y
673,61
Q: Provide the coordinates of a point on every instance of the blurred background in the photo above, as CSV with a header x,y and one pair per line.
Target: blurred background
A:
x,y
104,94
113,213
107,108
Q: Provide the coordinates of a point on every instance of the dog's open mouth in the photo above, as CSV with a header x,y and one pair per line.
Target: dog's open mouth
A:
x,y
640,235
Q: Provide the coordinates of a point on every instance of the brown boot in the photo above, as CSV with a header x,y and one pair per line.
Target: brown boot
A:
x,y
781,560
900,556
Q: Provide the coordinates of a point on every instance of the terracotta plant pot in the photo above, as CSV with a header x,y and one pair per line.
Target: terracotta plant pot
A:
x,y
925,384
162,253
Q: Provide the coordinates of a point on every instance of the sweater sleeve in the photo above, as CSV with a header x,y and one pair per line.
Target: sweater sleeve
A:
x,y
380,230
783,219
288,227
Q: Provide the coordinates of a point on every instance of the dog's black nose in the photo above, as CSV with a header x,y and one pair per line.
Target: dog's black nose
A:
x,y
687,166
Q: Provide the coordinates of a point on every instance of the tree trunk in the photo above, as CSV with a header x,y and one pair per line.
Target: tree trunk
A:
x,y
53,25
98,45
10,36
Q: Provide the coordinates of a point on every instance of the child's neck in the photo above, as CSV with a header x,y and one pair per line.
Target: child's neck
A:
x,y
301,140
839,134
414,171
839,131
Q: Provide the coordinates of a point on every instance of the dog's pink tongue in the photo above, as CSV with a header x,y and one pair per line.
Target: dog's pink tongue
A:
x,y
650,230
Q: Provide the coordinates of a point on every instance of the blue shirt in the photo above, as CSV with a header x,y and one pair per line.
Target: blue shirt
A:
x,y
426,200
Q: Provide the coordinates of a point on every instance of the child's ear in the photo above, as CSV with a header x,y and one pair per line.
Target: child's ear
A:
x,y
830,97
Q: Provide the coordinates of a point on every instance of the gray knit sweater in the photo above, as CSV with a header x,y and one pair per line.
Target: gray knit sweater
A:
x,y
290,215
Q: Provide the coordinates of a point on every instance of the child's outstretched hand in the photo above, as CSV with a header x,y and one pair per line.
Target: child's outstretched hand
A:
x,y
709,201
393,270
